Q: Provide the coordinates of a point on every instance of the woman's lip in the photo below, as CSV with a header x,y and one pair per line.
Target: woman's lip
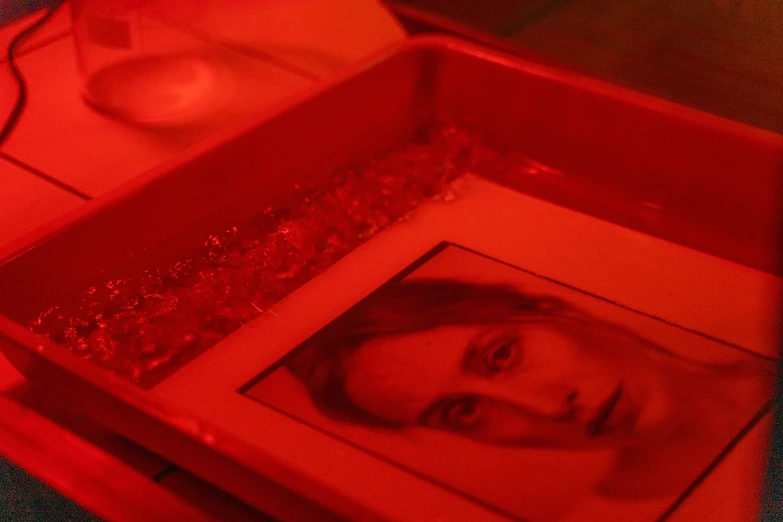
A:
x,y
604,411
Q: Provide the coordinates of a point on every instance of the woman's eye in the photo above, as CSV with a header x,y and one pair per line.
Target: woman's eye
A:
x,y
462,413
500,357
501,354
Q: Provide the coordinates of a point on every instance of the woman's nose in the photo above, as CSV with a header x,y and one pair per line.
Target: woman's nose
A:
x,y
554,401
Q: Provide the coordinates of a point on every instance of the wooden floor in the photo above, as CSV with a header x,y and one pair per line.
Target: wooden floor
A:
x,y
725,60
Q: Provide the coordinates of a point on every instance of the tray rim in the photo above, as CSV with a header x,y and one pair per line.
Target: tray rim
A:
x,y
583,82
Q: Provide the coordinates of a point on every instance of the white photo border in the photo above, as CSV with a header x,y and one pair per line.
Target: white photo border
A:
x,y
410,269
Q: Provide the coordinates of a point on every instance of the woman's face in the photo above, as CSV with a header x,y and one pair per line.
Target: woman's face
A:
x,y
550,383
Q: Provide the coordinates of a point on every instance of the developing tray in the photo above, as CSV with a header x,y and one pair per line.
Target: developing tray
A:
x,y
666,170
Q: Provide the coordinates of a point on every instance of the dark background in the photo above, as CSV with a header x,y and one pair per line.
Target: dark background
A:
x,y
25,499
13,9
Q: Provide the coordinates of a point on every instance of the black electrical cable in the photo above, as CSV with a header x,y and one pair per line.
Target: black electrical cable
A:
x,y
21,98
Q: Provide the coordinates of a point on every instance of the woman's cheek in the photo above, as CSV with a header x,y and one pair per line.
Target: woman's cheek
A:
x,y
659,416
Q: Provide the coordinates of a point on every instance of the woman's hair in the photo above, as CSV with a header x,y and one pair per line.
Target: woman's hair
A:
x,y
403,308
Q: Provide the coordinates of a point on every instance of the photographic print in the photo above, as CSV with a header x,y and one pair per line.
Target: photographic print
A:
x,y
534,399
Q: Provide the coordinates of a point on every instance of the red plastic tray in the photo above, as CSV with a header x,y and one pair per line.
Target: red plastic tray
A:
x,y
669,171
